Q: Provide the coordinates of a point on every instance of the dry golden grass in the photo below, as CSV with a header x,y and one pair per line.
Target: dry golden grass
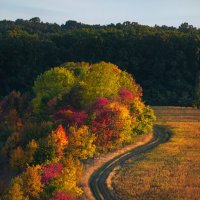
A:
x,y
170,171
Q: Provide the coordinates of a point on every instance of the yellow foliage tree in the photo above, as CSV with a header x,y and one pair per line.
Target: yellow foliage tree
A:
x,y
51,84
127,81
81,143
15,190
122,122
67,180
32,186
102,80
143,117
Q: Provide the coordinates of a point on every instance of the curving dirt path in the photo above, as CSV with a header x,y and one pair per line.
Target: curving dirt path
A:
x,y
98,180
94,164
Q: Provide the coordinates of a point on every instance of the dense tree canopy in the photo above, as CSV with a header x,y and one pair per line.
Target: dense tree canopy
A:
x,y
164,60
78,111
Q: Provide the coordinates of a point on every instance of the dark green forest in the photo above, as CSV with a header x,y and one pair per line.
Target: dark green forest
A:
x,y
164,60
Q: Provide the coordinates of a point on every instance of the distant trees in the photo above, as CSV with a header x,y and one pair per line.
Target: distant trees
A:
x,y
35,20
197,92
163,59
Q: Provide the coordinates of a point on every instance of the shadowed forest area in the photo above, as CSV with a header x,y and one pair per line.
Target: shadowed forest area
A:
x,y
164,60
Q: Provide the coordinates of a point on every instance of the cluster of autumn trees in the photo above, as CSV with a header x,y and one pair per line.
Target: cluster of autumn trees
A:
x,y
164,59
78,111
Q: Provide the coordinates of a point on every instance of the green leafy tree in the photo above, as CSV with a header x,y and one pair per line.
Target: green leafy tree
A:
x,y
197,92
102,80
46,151
53,83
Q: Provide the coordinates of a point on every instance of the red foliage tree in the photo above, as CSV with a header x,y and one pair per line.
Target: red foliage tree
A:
x,y
100,103
61,196
126,95
102,125
68,116
50,171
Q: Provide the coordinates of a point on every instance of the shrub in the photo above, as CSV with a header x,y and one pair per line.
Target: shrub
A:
x,y
50,171
68,116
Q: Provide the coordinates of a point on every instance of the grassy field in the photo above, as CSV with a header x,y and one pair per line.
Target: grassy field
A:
x,y
170,171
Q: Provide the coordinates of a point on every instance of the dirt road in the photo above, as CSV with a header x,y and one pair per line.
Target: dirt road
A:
x,y
98,183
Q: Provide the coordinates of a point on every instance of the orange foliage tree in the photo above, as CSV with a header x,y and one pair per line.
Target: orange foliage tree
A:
x,y
60,138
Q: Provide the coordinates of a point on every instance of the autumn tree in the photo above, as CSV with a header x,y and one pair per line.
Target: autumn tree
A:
x,y
111,123
68,178
60,140
26,186
51,147
15,190
50,171
81,143
52,84
32,186
61,196
68,116
143,117
102,80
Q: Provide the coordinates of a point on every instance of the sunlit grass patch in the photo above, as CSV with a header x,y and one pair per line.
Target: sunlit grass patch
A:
x,y
170,171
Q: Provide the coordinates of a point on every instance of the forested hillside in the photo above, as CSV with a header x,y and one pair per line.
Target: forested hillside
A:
x,y
164,60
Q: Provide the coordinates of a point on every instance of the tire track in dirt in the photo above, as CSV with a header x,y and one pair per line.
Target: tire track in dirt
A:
x,y
98,180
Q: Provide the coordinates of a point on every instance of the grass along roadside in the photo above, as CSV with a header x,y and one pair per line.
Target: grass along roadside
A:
x,y
96,163
170,171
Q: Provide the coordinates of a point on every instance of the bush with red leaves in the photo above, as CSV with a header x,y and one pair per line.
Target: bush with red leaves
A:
x,y
68,116
61,196
50,171
126,95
